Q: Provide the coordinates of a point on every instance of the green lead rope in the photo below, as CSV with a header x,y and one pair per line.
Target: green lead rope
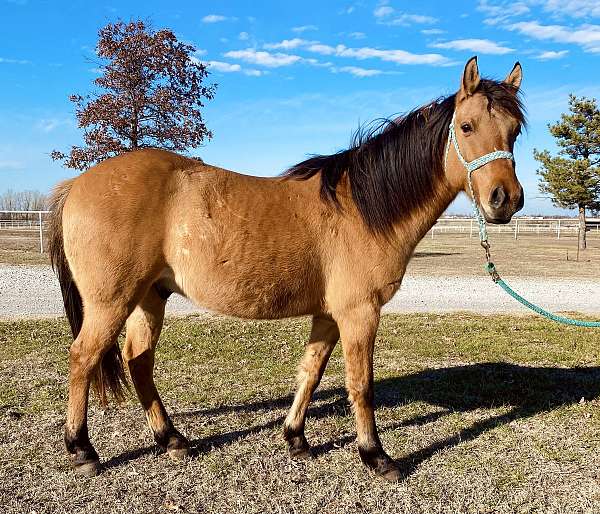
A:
x,y
491,269
483,237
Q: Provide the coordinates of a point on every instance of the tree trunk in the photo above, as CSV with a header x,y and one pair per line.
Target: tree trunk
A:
x,y
582,240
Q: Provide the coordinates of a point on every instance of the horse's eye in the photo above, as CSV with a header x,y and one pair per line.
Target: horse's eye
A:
x,y
466,128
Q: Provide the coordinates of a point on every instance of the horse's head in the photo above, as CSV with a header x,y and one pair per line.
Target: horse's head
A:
x,y
487,120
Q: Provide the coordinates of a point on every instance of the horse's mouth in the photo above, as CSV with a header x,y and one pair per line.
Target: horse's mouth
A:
x,y
497,221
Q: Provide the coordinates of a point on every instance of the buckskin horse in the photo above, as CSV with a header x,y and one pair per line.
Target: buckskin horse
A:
x,y
331,238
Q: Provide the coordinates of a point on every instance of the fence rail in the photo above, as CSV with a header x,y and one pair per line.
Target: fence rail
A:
x,y
30,221
554,227
24,220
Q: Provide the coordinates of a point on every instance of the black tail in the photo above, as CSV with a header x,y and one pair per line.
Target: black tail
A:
x,y
110,375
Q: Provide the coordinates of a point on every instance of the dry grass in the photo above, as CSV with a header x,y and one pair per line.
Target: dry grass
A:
x,y
529,256
484,414
21,247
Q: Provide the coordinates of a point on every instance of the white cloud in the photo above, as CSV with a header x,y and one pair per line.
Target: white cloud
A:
x,y
383,11
357,35
4,60
484,46
357,71
574,8
586,36
410,19
304,28
49,124
270,60
11,165
243,36
322,49
223,67
395,56
287,44
389,16
213,18
499,12
226,67
551,54
432,32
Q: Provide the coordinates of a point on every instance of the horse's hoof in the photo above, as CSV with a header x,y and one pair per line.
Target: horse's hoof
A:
x,y
89,469
298,446
391,474
302,453
179,454
380,463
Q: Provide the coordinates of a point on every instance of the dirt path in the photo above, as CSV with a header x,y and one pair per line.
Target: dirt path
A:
x,y
32,291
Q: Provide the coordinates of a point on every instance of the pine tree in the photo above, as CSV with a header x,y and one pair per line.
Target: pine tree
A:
x,y
572,179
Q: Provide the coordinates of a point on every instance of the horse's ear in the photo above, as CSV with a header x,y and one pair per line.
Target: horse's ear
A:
x,y
515,77
470,78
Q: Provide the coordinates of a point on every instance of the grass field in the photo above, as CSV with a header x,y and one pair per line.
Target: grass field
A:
x,y
484,414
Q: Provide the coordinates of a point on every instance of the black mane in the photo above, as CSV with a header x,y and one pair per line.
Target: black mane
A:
x,y
395,165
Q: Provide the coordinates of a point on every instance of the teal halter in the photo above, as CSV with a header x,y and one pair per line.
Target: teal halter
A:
x,y
483,237
471,166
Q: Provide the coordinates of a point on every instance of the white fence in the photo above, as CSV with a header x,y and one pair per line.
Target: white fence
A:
x,y
523,226
25,221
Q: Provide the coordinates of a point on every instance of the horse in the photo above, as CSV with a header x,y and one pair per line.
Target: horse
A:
x,y
331,238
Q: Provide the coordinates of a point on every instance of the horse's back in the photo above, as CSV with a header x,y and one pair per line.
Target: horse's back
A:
x,y
233,243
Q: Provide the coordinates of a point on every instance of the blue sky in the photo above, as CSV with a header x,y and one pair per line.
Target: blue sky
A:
x,y
296,78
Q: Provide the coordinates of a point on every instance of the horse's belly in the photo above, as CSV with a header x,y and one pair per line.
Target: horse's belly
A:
x,y
252,294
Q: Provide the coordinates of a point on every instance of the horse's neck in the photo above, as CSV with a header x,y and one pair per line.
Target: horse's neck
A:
x,y
411,229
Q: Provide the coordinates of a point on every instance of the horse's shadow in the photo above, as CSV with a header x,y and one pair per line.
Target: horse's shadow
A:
x,y
526,391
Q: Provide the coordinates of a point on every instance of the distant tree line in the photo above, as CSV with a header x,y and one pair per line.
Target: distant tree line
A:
x,y
21,201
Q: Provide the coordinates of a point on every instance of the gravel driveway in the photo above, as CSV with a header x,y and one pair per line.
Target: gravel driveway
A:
x,y
33,291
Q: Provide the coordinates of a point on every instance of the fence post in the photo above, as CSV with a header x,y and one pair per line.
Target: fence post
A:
x,y
471,228
516,228
558,230
41,233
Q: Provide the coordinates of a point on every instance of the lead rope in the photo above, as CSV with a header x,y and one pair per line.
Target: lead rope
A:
x,y
483,236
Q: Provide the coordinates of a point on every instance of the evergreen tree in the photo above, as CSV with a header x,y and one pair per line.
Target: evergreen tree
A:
x,y
572,179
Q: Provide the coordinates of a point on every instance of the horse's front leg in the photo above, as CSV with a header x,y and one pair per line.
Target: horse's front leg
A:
x,y
323,337
358,328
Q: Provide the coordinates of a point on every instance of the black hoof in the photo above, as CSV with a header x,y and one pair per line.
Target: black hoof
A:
x,y
88,469
298,446
175,444
178,454
381,464
299,449
83,456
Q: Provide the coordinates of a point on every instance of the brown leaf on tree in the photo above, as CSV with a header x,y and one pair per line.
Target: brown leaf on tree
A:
x,y
151,92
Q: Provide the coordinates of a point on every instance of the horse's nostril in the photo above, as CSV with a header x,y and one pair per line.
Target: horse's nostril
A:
x,y
521,200
498,197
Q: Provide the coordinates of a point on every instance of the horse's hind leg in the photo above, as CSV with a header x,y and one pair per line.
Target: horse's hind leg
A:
x,y
143,329
97,337
323,337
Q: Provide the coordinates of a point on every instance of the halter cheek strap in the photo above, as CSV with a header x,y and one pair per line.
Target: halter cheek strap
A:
x,y
471,166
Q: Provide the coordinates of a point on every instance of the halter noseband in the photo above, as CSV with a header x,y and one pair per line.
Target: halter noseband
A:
x,y
471,166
